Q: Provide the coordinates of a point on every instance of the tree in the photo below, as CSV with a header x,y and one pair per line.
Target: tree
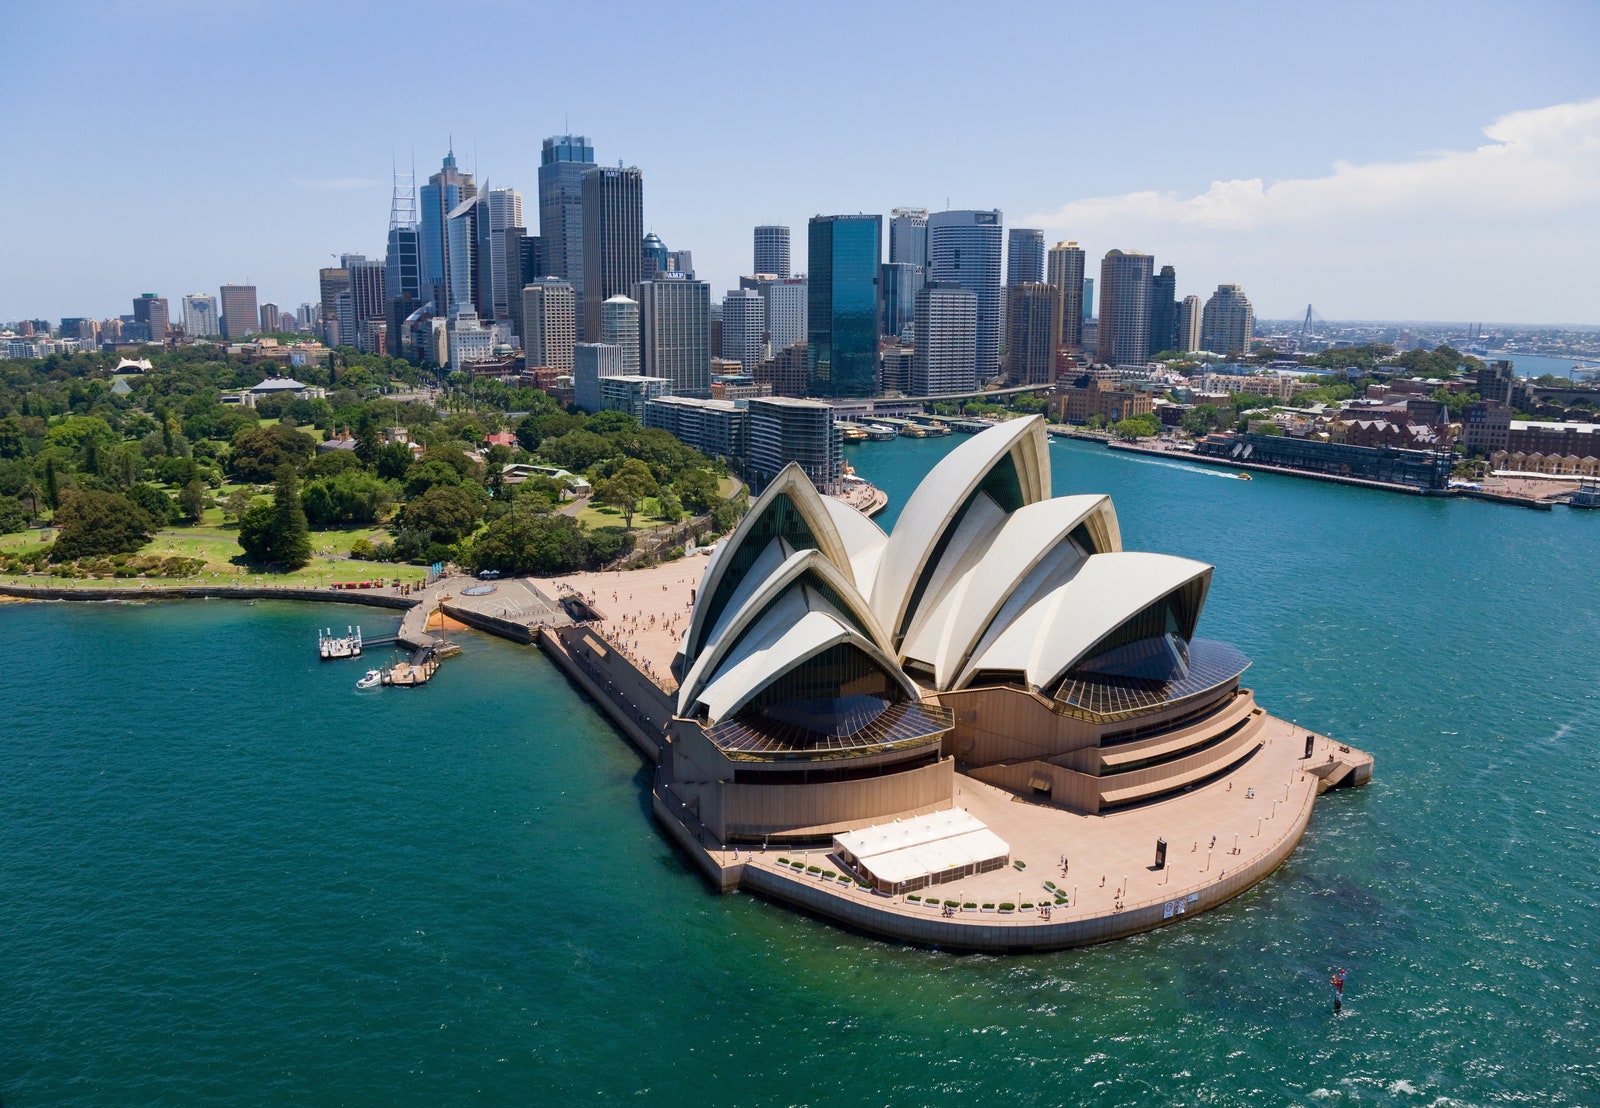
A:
x,y
697,489
528,433
260,453
13,516
93,523
52,485
237,504
626,488
450,512
393,460
192,500
1138,427
530,540
1201,419
275,532
157,504
351,497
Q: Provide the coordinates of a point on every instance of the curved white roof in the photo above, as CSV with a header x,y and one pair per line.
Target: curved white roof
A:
x,y
863,539
932,507
799,627
791,482
957,613
1106,591
766,586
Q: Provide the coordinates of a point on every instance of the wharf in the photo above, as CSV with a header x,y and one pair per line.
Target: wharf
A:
x,y
1261,467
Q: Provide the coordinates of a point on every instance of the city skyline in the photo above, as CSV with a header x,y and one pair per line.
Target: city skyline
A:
x,y
1482,186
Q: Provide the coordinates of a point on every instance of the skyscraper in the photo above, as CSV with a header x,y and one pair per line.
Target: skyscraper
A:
x,y
900,282
367,303
269,318
200,318
613,228
675,332
1189,315
331,281
1163,310
1124,330
654,257
443,193
402,274
619,327
151,310
239,314
945,356
964,247
1024,256
786,312
772,250
505,212
744,326
590,362
549,317
563,160
1033,333
844,252
1066,274
1227,326
908,236
461,277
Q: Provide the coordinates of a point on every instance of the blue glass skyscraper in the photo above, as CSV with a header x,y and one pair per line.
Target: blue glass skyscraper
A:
x,y
443,193
842,305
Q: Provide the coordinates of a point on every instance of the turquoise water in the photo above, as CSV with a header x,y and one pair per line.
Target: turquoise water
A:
x,y
229,878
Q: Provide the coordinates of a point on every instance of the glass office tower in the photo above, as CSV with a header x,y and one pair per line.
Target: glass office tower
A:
x,y
843,319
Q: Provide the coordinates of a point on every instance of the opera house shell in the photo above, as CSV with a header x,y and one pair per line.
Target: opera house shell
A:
x,y
835,677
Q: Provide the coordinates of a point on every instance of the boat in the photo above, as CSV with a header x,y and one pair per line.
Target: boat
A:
x,y
1245,477
331,647
373,678
877,432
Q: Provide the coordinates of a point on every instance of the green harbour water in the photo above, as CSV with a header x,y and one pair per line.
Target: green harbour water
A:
x,y
229,878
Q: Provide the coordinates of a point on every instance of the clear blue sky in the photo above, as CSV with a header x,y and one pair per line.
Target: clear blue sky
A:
x,y
1385,160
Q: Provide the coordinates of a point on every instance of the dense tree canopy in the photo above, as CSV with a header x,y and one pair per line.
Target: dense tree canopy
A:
x,y
91,523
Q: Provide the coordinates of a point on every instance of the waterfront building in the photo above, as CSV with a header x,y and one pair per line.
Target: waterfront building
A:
x,y
1227,325
1552,439
563,160
592,361
613,228
900,282
549,312
772,250
716,428
240,315
1033,333
744,327
1163,311
675,333
908,236
785,430
443,194
842,310
1189,316
1080,403
151,311
201,319
619,327
1124,331
630,392
965,247
1066,274
945,345
1024,256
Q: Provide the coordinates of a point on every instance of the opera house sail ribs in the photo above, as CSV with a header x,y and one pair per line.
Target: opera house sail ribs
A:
x,y
835,677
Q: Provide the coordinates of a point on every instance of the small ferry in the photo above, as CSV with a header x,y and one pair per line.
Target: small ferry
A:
x,y
851,433
372,680
1245,477
331,647
877,432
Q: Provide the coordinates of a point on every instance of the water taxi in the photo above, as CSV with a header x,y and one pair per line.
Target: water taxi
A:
x,y
373,678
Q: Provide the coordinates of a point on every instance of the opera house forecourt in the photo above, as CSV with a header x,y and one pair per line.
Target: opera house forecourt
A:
x,y
989,729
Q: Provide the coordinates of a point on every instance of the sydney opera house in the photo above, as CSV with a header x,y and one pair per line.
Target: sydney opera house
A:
x,y
834,675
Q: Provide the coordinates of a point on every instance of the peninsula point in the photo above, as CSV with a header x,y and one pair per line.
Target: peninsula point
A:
x,y
990,728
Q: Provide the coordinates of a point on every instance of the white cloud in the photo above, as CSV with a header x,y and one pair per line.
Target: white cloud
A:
x,y
337,184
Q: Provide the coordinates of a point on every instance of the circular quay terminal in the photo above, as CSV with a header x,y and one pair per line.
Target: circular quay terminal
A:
x,y
990,729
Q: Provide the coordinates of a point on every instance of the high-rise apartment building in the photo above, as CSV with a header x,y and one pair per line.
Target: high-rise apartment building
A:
x,y
784,430
1163,310
1189,316
1033,333
744,327
1066,274
908,236
945,353
367,303
505,277
965,247
1124,329
899,283
613,228
549,319
675,332
240,316
590,362
619,327
1024,256
151,310
1227,325
269,319
442,195
331,281
842,326
772,250
563,160
200,317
